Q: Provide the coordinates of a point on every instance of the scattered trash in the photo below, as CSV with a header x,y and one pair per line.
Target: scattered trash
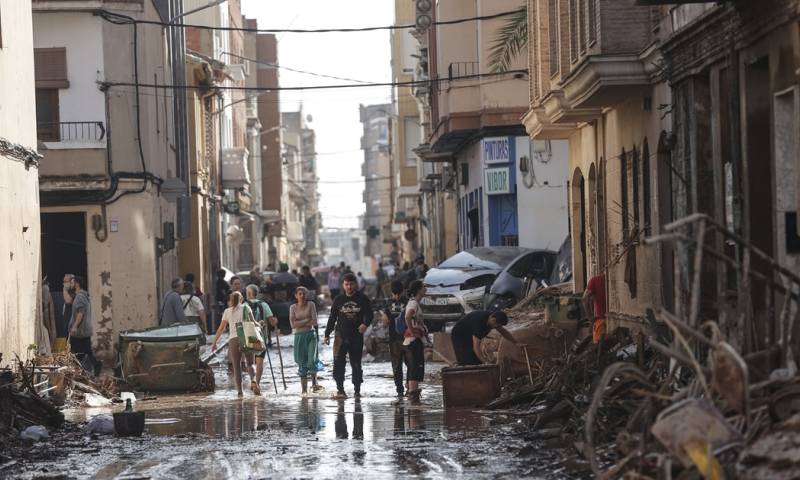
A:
x,y
94,400
102,424
34,433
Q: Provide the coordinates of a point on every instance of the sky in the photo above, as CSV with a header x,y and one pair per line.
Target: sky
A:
x,y
335,116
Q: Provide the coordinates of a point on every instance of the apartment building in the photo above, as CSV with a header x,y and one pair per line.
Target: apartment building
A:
x,y
268,104
668,110
300,200
20,265
378,182
112,175
479,163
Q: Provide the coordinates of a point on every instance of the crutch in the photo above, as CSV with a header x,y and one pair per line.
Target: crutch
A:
x,y
280,356
274,383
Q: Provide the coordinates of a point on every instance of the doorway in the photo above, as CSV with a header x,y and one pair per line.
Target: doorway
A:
x,y
63,251
759,190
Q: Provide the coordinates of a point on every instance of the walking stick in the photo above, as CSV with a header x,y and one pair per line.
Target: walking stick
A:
x,y
280,356
274,383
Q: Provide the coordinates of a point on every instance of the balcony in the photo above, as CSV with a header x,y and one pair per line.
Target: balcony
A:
x,y
235,175
71,149
71,134
294,231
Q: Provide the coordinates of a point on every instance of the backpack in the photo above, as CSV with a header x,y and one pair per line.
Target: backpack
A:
x,y
400,322
257,309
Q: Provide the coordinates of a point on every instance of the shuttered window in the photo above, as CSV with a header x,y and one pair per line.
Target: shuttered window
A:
x,y
552,14
50,67
47,115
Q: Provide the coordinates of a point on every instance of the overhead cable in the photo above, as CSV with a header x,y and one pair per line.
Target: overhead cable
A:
x,y
316,30
515,73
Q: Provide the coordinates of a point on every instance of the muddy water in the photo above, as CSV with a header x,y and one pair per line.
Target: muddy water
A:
x,y
218,436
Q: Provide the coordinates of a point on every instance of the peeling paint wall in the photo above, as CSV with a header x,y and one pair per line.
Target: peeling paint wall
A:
x,y
19,186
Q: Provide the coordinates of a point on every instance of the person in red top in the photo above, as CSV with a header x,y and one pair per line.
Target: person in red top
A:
x,y
594,303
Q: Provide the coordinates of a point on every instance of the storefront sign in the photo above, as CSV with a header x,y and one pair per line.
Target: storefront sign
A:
x,y
497,181
495,150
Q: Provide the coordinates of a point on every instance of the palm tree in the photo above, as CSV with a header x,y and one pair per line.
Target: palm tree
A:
x,y
509,41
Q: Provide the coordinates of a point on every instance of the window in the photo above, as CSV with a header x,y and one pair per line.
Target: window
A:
x,y
635,183
584,6
646,191
47,117
50,67
573,30
552,12
50,72
623,176
592,34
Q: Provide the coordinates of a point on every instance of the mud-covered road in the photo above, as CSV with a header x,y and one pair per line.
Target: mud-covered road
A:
x,y
218,436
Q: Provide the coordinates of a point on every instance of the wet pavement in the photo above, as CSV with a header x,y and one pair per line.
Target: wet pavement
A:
x,y
219,436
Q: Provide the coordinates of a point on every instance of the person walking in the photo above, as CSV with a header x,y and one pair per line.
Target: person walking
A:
x,y
68,293
307,280
334,283
303,319
594,304
469,332
395,308
350,316
263,315
362,283
415,332
80,325
193,307
231,317
222,291
172,308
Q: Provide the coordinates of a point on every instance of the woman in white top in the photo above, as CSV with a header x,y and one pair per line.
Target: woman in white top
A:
x,y
303,318
230,318
415,332
193,306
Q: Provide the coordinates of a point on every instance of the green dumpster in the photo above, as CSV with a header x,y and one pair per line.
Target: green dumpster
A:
x,y
163,359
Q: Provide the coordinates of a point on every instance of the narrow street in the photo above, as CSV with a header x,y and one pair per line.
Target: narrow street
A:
x,y
285,435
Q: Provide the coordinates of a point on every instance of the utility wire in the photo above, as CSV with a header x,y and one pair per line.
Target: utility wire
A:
x,y
314,30
275,65
516,73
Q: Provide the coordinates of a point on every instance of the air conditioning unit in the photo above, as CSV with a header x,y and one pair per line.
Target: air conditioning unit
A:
x,y
426,185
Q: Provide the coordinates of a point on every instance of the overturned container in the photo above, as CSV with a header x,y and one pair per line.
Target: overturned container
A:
x,y
165,359
470,386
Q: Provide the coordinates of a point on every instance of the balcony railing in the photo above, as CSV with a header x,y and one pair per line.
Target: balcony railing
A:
x,y
70,131
462,69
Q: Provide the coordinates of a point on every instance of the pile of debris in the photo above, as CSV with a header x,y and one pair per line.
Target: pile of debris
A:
x,y
689,393
68,384
21,407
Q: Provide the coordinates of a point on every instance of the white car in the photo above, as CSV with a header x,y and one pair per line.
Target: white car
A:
x,y
457,286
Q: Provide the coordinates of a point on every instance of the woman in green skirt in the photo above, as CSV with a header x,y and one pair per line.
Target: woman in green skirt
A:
x,y
303,318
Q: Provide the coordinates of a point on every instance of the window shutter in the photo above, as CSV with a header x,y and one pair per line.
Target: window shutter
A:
x,y
50,67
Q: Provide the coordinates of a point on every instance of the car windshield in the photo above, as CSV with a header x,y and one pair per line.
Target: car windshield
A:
x,y
482,258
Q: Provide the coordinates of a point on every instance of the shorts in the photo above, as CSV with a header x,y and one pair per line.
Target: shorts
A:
x,y
415,356
598,330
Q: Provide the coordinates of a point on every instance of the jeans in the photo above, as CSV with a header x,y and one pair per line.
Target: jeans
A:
x,y
399,358
342,347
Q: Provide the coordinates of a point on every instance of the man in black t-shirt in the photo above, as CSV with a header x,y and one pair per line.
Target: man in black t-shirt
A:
x,y
396,307
350,315
472,329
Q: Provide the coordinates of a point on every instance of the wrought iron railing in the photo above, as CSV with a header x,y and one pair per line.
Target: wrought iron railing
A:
x,y
70,131
462,69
